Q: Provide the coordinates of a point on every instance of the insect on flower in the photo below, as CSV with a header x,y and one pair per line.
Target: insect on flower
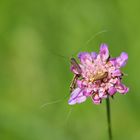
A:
x,y
75,66
97,76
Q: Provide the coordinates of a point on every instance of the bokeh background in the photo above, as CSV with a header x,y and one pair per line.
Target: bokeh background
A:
x,y
37,38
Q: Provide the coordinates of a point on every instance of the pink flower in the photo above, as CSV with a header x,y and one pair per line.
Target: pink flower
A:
x,y
100,76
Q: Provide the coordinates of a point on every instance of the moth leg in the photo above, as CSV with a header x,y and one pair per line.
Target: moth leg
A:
x,y
73,82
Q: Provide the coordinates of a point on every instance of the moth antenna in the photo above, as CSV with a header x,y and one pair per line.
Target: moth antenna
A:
x,y
54,102
57,54
68,115
95,35
50,103
90,39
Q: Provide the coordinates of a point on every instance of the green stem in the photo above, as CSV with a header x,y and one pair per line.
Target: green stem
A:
x,y
109,118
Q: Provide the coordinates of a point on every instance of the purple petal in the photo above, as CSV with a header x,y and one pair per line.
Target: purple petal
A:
x,y
76,97
79,83
112,91
87,92
84,57
94,55
116,72
81,99
121,88
102,93
96,99
75,92
122,59
104,52
82,84
113,61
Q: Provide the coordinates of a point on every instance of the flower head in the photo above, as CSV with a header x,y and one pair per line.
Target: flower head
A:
x,y
100,76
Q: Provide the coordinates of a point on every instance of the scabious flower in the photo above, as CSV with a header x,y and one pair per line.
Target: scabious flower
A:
x,y
100,76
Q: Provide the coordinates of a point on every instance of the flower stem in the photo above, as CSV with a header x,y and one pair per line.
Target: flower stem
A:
x,y
109,118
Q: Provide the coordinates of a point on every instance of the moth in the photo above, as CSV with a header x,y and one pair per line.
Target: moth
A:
x,y
76,76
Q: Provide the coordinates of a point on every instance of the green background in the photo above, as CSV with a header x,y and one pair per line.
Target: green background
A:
x,y
37,38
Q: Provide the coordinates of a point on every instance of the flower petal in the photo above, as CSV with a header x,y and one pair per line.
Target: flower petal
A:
x,y
112,90
121,88
116,72
113,61
94,55
87,91
122,59
104,52
81,99
76,97
75,93
85,57
82,83
102,93
96,99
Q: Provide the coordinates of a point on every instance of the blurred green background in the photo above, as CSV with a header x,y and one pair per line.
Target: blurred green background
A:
x,y
34,37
